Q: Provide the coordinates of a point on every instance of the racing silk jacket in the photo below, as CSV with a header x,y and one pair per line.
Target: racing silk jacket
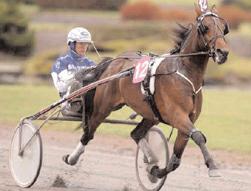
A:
x,y
66,67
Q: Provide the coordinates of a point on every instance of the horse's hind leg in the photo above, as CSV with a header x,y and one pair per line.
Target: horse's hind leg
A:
x,y
89,130
72,159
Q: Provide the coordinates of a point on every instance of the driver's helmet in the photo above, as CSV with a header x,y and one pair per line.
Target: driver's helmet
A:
x,y
79,34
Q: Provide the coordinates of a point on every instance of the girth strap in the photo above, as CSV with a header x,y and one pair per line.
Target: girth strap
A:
x,y
149,97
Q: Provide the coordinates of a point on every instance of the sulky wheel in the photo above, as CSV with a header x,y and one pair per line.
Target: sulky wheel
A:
x,y
25,167
158,144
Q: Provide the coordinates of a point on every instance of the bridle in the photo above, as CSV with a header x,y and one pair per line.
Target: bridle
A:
x,y
202,30
211,49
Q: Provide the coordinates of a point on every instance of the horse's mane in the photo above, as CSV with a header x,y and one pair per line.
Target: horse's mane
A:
x,y
180,35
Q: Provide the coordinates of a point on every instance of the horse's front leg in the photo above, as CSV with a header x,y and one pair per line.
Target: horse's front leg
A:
x,y
179,147
200,139
188,128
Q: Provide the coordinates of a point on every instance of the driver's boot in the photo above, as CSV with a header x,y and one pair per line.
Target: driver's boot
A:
x,y
76,103
73,108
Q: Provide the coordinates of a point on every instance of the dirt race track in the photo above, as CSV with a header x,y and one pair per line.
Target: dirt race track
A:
x,y
108,165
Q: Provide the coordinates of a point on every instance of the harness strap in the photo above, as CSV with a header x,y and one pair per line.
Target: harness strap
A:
x,y
149,97
190,82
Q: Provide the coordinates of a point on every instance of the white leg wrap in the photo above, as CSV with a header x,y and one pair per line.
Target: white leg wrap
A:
x,y
74,156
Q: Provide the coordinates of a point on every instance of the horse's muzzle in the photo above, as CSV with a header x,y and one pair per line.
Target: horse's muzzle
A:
x,y
220,56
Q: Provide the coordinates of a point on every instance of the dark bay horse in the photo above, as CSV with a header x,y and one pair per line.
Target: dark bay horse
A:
x,y
177,96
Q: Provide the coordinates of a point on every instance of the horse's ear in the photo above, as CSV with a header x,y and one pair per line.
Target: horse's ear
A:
x,y
197,10
214,10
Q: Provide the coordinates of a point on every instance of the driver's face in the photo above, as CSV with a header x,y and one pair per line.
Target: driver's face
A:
x,y
81,48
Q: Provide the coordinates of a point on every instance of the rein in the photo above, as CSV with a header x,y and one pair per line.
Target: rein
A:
x,y
195,92
165,55
185,55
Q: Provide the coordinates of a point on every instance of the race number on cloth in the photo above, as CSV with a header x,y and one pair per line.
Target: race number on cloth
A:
x,y
203,5
141,68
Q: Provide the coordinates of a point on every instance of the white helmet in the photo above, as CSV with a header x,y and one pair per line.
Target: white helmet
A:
x,y
79,34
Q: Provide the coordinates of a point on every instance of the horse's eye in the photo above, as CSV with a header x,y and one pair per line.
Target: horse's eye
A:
x,y
226,29
203,29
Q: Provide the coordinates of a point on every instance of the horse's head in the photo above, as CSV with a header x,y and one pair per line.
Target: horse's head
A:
x,y
212,30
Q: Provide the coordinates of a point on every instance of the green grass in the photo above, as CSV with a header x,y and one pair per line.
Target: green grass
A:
x,y
225,118
19,101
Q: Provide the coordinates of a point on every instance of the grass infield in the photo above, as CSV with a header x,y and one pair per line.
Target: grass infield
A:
x,y
225,118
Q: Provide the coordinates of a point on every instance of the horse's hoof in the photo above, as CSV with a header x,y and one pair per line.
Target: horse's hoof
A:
x,y
214,173
153,179
150,176
67,161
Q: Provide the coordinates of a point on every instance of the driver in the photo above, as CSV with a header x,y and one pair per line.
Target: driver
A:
x,y
65,68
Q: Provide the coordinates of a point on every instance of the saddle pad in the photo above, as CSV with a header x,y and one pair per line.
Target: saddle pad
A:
x,y
141,68
154,68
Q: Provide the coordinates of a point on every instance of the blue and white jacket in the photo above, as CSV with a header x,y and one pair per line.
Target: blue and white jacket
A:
x,y
66,67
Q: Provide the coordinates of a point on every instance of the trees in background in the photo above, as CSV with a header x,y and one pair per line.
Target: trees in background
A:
x,y
15,37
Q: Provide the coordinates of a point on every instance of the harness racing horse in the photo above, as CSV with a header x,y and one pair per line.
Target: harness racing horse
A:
x,y
178,96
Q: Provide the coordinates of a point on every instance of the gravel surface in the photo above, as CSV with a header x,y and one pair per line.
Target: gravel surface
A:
x,y
108,165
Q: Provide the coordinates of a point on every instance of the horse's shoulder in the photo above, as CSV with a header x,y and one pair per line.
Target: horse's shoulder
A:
x,y
168,65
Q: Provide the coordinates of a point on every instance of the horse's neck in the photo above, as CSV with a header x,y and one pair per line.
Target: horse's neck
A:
x,y
194,66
